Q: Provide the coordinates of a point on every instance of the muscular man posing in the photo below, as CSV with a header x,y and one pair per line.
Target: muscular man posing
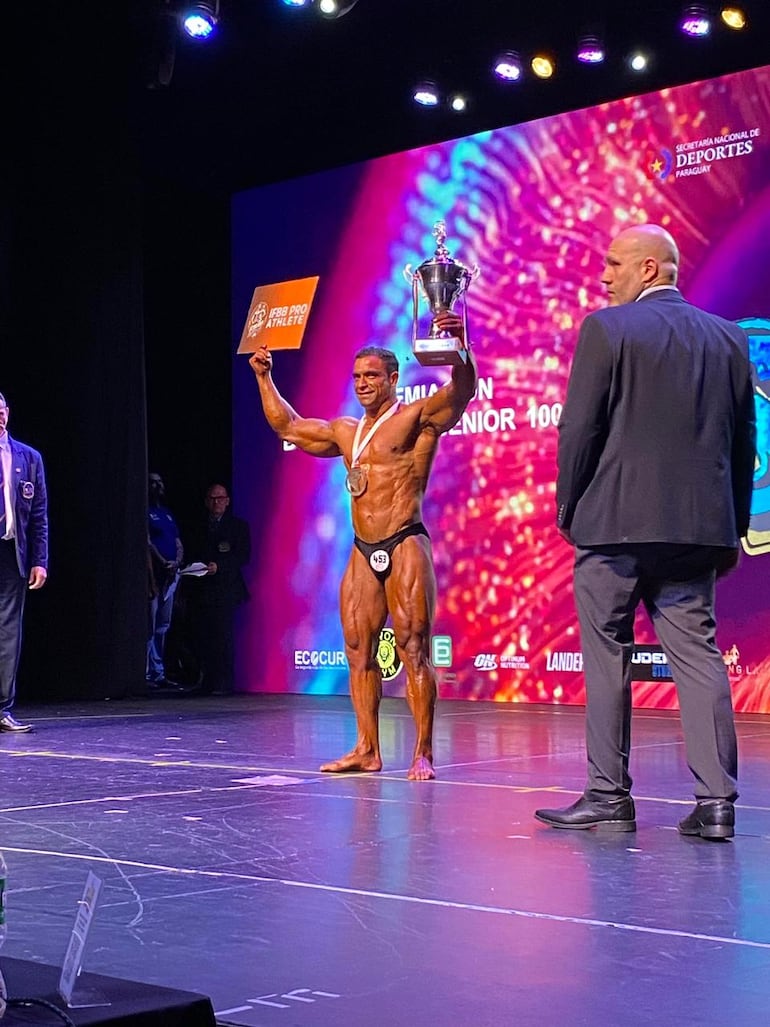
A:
x,y
388,453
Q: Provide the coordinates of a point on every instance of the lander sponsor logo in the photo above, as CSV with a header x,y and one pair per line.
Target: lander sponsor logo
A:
x,y
319,659
564,661
485,661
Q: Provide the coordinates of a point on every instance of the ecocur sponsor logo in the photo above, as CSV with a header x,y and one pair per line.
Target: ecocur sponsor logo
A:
x,y
319,659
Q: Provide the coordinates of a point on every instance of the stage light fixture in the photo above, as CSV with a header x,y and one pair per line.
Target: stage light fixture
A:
x,y
695,21
426,94
543,66
590,50
508,66
458,103
733,17
296,3
336,8
638,61
200,19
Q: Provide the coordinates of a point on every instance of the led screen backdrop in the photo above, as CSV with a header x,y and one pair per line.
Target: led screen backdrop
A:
x,y
535,206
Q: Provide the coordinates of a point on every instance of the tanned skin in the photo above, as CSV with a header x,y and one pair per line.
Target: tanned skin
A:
x,y
398,460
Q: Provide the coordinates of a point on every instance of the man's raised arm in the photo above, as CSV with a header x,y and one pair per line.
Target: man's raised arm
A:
x,y
444,408
311,435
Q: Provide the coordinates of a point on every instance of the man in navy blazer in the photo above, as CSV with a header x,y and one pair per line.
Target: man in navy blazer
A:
x,y
656,464
23,553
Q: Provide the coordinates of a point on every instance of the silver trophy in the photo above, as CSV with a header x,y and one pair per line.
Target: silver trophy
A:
x,y
443,282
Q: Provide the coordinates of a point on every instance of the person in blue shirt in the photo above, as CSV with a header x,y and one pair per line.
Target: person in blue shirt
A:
x,y
166,554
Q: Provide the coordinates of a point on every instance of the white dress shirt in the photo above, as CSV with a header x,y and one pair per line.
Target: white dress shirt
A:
x,y
7,526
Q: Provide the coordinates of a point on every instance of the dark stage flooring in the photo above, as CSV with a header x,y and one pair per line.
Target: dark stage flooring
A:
x,y
233,868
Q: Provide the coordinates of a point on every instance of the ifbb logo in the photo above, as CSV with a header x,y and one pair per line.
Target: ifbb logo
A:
x,y
258,319
387,655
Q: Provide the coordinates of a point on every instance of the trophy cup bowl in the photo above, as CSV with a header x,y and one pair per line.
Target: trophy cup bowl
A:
x,y
441,281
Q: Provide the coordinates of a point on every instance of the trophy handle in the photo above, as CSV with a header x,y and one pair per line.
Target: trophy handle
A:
x,y
415,308
408,273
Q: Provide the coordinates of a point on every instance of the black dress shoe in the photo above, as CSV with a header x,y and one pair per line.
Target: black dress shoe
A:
x,y
9,723
608,814
712,818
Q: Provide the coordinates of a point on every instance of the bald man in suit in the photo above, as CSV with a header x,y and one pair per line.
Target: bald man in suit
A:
x,y
656,462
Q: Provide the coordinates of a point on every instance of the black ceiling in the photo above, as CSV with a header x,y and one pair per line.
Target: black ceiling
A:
x,y
281,91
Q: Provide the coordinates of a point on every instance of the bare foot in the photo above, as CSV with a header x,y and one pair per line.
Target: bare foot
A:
x,y
421,770
366,762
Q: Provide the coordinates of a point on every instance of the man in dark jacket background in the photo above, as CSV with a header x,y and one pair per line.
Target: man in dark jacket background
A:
x,y
223,543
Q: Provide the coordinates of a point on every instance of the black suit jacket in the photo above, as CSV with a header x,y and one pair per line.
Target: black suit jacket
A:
x,y
227,543
30,507
656,440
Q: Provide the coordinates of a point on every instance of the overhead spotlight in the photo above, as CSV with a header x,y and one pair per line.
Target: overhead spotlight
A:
x,y
638,61
590,50
200,19
543,66
508,66
458,103
733,17
426,94
336,8
695,21
296,3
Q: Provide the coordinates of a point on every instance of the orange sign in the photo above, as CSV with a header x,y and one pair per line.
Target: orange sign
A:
x,y
278,315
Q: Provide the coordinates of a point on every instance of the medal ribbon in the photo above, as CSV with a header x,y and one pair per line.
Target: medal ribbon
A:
x,y
358,445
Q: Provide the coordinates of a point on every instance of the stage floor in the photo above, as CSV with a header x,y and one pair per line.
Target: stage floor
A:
x,y
233,868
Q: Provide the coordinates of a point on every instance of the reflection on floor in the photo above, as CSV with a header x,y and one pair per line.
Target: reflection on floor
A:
x,y
232,867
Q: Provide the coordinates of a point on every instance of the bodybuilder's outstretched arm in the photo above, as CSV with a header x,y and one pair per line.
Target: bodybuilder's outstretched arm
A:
x,y
311,435
444,408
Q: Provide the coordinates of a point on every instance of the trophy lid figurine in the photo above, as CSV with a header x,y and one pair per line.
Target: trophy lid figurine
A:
x,y
443,281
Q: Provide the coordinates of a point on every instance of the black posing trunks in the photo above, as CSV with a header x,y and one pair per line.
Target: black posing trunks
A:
x,y
378,553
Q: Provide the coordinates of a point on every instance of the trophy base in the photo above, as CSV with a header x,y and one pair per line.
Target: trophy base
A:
x,y
432,352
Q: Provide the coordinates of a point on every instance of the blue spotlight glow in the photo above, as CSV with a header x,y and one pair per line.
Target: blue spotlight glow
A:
x,y
426,94
508,66
199,20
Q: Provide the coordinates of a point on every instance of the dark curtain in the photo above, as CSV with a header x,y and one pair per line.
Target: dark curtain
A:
x,y
71,345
